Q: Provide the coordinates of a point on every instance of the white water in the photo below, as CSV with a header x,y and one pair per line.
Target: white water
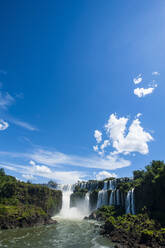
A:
x,y
129,202
82,207
103,196
112,198
78,212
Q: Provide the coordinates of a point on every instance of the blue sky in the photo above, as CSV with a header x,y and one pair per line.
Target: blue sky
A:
x,y
69,68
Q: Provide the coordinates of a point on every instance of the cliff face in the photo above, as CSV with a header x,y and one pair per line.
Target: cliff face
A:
x,y
149,193
26,204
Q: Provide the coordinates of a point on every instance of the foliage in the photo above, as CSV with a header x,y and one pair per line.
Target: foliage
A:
x,y
19,198
139,227
52,184
149,190
105,212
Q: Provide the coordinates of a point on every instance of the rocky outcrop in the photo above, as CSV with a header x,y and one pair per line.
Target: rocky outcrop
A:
x,y
134,231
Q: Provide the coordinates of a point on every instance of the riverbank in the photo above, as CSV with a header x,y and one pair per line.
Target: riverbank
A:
x,y
128,230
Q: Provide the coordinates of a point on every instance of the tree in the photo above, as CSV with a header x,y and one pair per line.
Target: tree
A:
x,y
2,172
52,184
138,174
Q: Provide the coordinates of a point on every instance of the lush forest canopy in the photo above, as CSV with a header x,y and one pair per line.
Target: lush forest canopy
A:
x,y
25,202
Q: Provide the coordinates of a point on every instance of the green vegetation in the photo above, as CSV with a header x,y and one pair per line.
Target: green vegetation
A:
x,y
139,228
27,202
147,227
149,190
103,213
77,196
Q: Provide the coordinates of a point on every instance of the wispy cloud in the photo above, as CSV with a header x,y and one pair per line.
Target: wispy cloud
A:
x,y
57,160
31,172
28,177
6,100
3,72
23,124
155,73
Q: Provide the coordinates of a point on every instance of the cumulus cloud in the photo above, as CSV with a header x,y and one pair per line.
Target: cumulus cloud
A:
x,y
141,92
104,174
32,162
155,73
6,100
95,148
98,136
3,125
134,141
104,145
138,79
101,149
138,115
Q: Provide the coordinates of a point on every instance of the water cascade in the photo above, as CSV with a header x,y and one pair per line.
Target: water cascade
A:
x,y
129,202
108,194
112,198
103,196
77,212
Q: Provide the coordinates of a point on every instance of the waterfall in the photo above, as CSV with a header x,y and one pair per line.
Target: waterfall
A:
x,y
112,184
129,202
105,185
82,206
112,198
78,212
86,203
133,202
103,196
117,197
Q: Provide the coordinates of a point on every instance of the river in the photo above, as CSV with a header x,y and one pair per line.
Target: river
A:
x,y
66,234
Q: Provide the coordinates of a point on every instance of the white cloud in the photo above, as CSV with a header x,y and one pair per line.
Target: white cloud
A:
x,y
28,177
95,148
116,127
136,139
57,160
138,115
32,162
23,124
155,73
32,172
98,136
104,174
3,125
104,145
6,100
141,92
42,168
138,79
